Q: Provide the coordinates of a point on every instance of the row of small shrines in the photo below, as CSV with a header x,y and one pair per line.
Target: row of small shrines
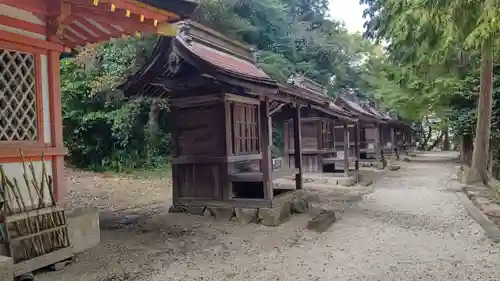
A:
x,y
223,107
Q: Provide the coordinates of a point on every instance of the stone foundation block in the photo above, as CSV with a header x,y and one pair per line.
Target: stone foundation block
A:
x,y
177,209
393,167
347,181
221,213
246,215
276,215
195,210
6,269
83,228
300,205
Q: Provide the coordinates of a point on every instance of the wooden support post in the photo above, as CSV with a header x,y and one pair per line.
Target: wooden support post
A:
x,y
346,149
356,144
286,146
265,164
394,142
227,194
297,139
378,144
270,126
175,151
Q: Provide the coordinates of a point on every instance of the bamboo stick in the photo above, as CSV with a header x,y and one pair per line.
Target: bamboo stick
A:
x,y
60,238
28,222
11,211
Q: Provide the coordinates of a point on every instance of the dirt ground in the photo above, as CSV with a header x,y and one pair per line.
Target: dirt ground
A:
x,y
412,227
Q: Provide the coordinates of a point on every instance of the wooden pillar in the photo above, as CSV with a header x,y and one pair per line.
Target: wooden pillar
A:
x,y
265,163
174,126
270,126
380,144
297,139
393,141
346,149
60,187
356,144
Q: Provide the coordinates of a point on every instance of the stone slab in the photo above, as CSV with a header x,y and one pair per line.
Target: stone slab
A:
x,y
393,167
246,215
195,210
6,269
177,209
221,213
275,216
491,230
83,228
300,205
322,222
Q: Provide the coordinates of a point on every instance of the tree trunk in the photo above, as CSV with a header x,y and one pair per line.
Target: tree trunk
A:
x,y
446,139
153,129
154,113
422,145
436,142
479,168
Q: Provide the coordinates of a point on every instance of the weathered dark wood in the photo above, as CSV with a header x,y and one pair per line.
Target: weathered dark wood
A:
x,y
346,150
380,143
298,147
356,145
266,166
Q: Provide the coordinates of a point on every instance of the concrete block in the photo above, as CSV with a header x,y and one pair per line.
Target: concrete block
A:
x,y
246,215
276,215
83,228
6,269
221,213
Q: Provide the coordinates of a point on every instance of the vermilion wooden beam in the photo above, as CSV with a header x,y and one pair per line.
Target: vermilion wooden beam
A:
x,y
28,41
34,6
113,18
90,27
24,25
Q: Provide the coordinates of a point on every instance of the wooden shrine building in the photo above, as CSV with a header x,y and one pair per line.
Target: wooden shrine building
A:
x,y
33,34
220,111
387,128
369,126
317,122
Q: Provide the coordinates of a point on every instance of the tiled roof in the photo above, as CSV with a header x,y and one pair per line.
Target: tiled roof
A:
x,y
357,107
226,61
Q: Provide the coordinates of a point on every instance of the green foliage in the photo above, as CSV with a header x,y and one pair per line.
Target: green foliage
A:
x,y
101,129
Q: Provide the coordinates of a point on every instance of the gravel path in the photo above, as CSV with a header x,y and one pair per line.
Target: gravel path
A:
x,y
411,228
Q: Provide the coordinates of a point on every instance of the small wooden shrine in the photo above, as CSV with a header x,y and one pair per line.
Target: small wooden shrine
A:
x,y
33,34
319,153
388,130
369,126
220,111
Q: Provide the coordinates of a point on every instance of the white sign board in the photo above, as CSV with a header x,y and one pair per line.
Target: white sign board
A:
x,y
371,146
389,144
340,155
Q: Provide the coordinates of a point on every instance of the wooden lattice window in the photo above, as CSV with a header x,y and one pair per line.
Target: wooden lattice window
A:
x,y
18,118
245,128
327,134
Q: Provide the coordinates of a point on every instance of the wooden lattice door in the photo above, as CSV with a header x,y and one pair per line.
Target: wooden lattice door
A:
x,y
18,117
245,129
